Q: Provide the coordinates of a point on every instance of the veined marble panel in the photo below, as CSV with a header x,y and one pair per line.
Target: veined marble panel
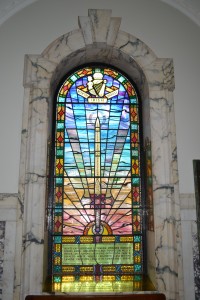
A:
x,y
8,221
190,247
2,242
196,257
187,201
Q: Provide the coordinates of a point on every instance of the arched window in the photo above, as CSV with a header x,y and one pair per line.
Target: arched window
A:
x,y
96,203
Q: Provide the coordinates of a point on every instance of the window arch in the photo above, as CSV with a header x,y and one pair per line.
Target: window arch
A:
x,y
96,228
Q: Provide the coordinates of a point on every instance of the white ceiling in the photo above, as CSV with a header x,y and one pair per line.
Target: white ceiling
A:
x,y
190,8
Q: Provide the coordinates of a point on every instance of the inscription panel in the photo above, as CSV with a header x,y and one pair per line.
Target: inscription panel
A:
x,y
92,254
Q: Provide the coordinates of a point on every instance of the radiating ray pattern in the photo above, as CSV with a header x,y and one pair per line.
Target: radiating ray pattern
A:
x,y
97,178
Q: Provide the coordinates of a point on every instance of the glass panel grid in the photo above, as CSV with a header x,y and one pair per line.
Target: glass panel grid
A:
x,y
97,207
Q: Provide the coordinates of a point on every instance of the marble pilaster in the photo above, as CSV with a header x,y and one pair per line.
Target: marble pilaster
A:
x,y
196,260
190,247
2,238
8,221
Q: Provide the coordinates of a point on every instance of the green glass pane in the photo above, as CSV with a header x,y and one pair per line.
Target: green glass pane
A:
x,y
73,78
133,100
134,127
137,238
57,279
57,269
61,99
59,181
121,79
59,152
135,153
60,125
138,268
135,181
57,239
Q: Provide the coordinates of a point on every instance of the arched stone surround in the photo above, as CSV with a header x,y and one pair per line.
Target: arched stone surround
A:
x,y
99,40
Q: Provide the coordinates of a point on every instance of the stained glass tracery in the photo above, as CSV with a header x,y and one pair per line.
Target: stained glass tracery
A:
x,y
97,224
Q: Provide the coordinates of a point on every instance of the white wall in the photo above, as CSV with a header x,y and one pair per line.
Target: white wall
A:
x,y
165,30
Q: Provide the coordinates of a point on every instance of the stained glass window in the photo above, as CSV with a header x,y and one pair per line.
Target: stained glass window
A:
x,y
96,229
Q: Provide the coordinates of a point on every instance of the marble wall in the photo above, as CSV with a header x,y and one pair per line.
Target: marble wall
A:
x,y
2,242
8,221
98,39
196,261
191,264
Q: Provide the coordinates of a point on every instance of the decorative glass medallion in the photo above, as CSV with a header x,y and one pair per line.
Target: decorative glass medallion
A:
x,y
97,226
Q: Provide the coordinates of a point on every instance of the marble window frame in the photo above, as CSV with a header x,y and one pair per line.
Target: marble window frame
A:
x,y
99,40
